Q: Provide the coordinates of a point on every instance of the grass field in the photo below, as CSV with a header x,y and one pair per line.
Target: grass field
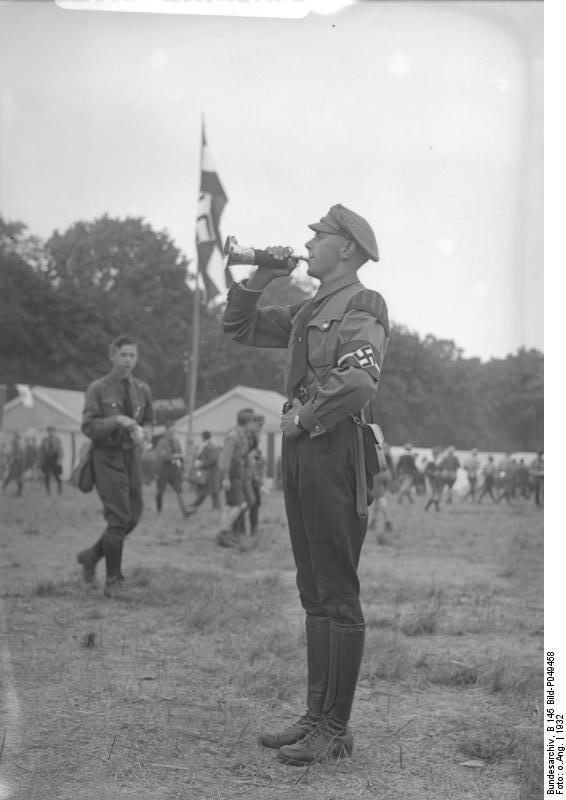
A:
x,y
161,695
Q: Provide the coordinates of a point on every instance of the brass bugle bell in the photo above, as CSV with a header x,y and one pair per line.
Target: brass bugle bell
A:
x,y
240,254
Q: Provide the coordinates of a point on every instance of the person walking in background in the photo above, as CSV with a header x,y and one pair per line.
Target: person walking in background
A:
x,y
257,468
207,462
489,473
50,458
381,486
30,457
117,407
513,477
523,479
336,344
436,481
419,482
449,466
537,477
472,467
236,480
15,458
169,457
504,479
406,472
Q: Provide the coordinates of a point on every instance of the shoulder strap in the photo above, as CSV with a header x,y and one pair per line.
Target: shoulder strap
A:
x,y
372,303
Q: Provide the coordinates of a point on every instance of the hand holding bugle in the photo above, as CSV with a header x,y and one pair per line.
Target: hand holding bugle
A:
x,y
241,254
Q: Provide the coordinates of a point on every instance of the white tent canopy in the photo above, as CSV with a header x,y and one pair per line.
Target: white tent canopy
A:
x,y
219,416
58,408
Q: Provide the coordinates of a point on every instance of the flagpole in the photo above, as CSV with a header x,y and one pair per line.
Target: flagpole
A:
x,y
212,200
193,373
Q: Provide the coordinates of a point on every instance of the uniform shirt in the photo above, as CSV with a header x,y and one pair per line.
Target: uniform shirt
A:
x,y
406,465
51,450
104,400
346,344
208,456
16,456
537,467
235,451
450,463
472,465
168,451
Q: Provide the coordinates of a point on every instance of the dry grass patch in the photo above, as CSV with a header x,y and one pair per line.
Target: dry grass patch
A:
x,y
163,697
425,620
448,672
487,740
530,764
386,657
510,678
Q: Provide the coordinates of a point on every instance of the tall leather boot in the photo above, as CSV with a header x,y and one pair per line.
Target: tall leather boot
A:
x,y
330,737
89,558
317,684
113,543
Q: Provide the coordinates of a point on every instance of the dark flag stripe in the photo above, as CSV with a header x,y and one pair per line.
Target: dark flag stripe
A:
x,y
212,199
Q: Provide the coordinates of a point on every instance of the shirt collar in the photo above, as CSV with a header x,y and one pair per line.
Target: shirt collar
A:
x,y
115,375
334,285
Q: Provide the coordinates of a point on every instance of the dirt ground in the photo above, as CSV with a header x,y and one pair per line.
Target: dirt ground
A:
x,y
162,694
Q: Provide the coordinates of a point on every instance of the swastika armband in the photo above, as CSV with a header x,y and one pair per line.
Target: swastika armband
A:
x,y
360,354
372,303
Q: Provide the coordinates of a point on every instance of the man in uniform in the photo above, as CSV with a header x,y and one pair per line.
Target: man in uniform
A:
x,y
381,485
235,472
537,474
433,473
16,464
207,461
449,466
406,472
116,408
472,467
50,456
30,456
257,466
488,473
169,457
335,344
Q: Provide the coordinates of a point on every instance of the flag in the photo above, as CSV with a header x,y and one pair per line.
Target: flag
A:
x,y
25,394
212,199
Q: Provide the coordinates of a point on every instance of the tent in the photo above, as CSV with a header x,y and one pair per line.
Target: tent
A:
x,y
219,416
59,408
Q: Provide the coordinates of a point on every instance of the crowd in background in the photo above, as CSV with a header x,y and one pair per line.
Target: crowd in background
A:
x,y
235,470
22,458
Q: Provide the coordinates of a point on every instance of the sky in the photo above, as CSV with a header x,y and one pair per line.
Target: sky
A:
x,y
425,118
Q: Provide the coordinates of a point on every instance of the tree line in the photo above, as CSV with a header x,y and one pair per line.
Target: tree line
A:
x,y
62,300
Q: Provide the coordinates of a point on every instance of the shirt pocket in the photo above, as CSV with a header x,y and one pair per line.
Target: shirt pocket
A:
x,y
110,406
323,342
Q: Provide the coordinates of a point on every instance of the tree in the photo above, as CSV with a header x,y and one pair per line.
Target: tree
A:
x,y
514,387
125,277
26,307
61,303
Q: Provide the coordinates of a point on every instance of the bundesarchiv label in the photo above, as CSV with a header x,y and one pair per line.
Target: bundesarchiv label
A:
x,y
554,736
